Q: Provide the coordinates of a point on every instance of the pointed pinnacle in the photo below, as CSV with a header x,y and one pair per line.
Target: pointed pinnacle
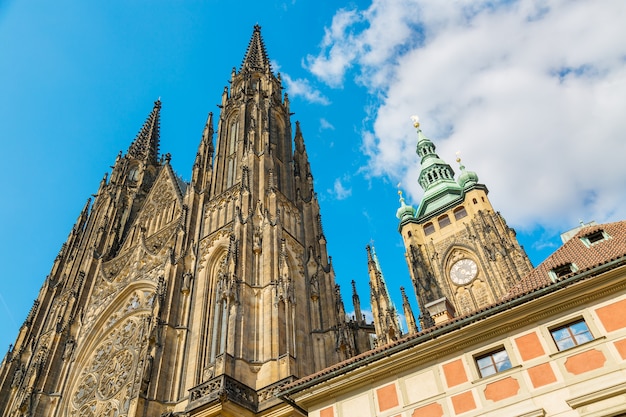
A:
x,y
299,139
405,299
207,135
370,259
353,288
146,144
256,56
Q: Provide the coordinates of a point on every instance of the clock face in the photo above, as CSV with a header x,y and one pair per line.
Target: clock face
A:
x,y
463,271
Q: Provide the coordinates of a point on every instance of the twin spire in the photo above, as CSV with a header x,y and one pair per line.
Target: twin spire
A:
x,y
145,147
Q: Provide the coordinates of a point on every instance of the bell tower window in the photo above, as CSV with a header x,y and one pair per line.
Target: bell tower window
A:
x,y
133,174
443,221
231,154
460,212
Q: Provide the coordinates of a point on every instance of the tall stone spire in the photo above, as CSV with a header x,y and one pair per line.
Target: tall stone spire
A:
x,y
145,147
269,312
256,56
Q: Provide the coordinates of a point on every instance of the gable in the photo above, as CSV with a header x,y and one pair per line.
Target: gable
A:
x,y
162,208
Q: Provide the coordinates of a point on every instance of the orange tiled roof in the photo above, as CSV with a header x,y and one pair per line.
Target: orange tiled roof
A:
x,y
575,252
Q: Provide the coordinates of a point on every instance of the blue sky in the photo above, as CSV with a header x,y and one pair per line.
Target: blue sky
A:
x,y
531,92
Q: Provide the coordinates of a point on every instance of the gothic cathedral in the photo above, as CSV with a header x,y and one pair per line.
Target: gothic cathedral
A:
x,y
206,298
169,296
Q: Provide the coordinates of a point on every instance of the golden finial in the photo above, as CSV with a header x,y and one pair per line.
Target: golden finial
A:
x,y
416,121
400,191
458,156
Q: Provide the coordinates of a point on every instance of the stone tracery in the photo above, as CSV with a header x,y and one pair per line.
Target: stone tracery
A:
x,y
109,379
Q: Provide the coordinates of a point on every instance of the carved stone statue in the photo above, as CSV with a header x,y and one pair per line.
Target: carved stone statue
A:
x,y
18,376
186,282
147,373
69,348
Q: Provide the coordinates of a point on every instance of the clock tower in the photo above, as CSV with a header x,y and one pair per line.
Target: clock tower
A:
x,y
461,254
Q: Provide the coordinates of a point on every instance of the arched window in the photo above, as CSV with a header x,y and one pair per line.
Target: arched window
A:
x,y
133,174
443,221
460,212
429,228
218,318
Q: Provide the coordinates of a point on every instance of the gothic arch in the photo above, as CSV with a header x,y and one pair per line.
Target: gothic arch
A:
x,y
106,376
287,303
230,135
207,298
456,252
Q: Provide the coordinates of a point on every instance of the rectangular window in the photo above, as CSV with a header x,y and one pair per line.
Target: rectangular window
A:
x,y
572,334
493,362
563,270
595,237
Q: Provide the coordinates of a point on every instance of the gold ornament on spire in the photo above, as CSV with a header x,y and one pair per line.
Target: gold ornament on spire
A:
x,y
416,121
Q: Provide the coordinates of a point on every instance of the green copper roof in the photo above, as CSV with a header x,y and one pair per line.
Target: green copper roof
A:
x,y
436,178
405,211
467,178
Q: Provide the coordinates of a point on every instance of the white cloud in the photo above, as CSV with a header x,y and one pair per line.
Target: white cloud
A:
x,y
302,87
369,318
326,125
339,191
339,49
532,92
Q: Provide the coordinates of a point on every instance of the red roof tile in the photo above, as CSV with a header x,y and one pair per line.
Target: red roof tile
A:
x,y
576,252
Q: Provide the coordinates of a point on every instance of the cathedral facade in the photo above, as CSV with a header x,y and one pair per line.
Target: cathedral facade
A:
x,y
217,297
169,297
